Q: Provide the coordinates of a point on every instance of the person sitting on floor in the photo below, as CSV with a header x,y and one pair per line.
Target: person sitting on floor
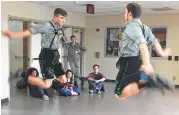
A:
x,y
70,88
96,80
35,91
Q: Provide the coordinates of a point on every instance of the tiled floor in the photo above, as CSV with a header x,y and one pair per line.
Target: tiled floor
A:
x,y
148,102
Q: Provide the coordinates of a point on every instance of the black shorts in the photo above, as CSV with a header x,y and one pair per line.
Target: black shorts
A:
x,y
128,73
49,63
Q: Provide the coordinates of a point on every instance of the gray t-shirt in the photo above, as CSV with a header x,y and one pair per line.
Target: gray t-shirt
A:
x,y
47,31
133,36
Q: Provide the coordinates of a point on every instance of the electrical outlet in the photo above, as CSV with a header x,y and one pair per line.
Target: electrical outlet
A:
x,y
169,58
176,58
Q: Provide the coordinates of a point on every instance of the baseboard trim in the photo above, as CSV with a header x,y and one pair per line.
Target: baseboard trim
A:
x,y
109,80
4,100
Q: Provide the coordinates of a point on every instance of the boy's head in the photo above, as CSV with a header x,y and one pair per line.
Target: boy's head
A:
x,y
73,38
96,68
69,73
132,10
60,16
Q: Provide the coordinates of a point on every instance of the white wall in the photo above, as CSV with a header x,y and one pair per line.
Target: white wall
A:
x,y
95,42
31,11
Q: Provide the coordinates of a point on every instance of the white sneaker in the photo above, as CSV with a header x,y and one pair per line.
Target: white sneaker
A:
x,y
98,91
45,97
91,91
74,93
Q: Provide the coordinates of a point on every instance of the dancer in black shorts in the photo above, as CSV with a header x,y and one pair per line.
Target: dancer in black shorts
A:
x,y
134,54
52,38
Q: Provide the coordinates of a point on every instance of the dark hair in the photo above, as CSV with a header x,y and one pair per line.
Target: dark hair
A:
x,y
135,10
95,66
68,72
72,36
59,11
30,70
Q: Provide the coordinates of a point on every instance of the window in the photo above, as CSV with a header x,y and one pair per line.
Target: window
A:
x,y
112,41
161,34
114,34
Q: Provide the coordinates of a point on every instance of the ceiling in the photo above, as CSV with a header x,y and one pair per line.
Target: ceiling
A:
x,y
113,7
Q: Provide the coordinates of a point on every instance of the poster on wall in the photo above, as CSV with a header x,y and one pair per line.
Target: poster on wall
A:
x,y
114,34
112,39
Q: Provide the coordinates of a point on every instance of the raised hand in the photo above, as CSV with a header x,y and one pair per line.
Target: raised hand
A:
x,y
7,33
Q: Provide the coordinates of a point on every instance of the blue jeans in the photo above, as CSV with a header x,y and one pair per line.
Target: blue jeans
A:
x,y
66,92
95,85
36,91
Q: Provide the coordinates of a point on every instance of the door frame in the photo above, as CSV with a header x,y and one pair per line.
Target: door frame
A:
x,y
82,64
82,42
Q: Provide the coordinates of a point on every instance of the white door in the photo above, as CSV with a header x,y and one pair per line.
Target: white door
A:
x,y
16,46
35,47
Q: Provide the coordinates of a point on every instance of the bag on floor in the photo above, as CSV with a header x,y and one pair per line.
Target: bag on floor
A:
x,y
49,92
21,84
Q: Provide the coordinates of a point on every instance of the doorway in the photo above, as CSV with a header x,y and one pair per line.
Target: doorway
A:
x,y
18,47
28,49
79,34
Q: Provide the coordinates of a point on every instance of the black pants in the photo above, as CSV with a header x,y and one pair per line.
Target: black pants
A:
x,y
128,73
49,63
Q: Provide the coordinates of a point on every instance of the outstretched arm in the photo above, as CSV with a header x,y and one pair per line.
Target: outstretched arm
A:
x,y
38,28
156,45
163,53
23,34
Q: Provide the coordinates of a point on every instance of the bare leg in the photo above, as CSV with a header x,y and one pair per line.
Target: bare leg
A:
x,y
39,82
48,82
142,81
128,91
